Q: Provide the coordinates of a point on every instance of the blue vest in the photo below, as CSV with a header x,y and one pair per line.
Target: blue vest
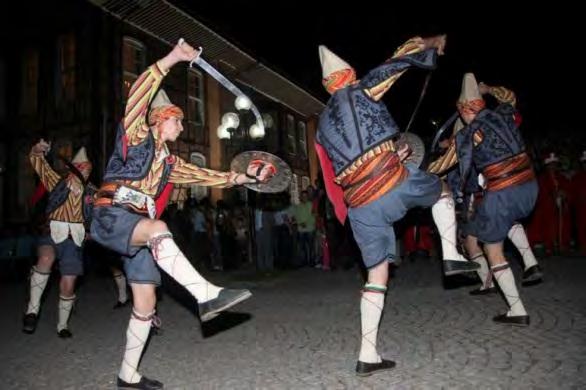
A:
x,y
352,123
137,164
60,193
501,140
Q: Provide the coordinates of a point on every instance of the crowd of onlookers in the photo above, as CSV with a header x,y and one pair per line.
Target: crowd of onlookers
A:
x,y
269,231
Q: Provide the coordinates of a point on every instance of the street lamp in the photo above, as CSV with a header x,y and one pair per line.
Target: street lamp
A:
x,y
233,126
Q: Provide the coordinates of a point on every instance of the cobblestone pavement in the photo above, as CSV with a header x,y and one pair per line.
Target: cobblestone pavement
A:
x,y
301,331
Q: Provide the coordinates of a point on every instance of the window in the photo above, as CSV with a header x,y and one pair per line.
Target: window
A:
x,y
198,192
291,139
294,189
66,68
195,106
133,63
302,138
30,80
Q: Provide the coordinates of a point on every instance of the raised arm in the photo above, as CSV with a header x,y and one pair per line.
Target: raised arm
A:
x,y
145,88
420,52
47,175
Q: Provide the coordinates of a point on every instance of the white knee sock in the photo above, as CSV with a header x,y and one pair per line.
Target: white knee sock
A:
x,y
65,307
518,236
371,309
137,334
38,283
173,262
444,216
121,285
506,281
483,272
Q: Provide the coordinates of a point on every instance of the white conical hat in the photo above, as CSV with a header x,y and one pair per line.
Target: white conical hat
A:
x,y
551,158
330,62
80,156
469,89
161,99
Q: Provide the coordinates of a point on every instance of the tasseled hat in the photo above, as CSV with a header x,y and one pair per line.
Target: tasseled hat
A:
x,y
336,73
470,100
162,109
82,163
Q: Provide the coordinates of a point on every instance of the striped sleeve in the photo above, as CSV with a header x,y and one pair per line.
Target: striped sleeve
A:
x,y
140,96
413,45
450,157
48,176
503,95
185,173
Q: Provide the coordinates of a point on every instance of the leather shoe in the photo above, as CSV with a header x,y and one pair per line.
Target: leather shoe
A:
x,y
29,323
226,299
144,384
367,369
512,320
532,276
119,304
65,333
484,291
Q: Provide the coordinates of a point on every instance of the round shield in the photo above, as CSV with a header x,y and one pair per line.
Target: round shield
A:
x,y
415,144
279,182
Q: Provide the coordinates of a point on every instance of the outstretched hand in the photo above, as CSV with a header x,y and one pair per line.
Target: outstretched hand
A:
x,y
404,152
41,147
184,51
263,172
437,42
483,88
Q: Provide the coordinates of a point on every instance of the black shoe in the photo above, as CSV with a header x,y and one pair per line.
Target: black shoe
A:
x,y
226,299
29,323
484,291
119,304
512,320
367,369
532,276
144,384
65,333
453,267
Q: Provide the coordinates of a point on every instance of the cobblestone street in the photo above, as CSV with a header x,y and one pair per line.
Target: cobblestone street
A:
x,y
300,330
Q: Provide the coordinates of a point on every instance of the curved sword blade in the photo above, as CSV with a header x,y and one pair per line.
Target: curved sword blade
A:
x,y
229,86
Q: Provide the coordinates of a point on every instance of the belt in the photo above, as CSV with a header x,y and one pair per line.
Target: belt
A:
x,y
373,179
512,171
119,195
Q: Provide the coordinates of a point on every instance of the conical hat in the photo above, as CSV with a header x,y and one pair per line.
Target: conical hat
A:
x,y
80,157
330,62
550,158
161,100
470,90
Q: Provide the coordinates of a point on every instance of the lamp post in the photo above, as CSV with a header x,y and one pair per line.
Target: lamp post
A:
x,y
236,128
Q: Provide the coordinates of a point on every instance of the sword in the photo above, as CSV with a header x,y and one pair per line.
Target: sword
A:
x,y
226,83
442,129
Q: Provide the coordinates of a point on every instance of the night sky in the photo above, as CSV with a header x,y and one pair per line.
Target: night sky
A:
x,y
536,56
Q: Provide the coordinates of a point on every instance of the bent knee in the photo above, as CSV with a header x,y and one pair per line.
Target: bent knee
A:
x,y
159,227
